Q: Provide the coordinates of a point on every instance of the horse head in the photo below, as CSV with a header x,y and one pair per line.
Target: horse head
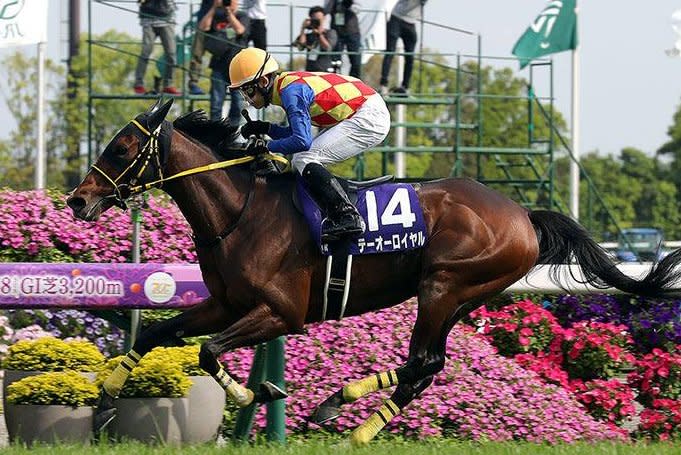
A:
x,y
129,165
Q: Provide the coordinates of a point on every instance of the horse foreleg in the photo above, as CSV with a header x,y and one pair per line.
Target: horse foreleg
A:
x,y
207,317
256,327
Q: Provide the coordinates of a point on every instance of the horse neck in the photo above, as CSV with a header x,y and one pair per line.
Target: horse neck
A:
x,y
210,201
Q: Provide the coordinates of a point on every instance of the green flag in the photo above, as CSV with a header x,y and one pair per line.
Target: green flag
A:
x,y
554,30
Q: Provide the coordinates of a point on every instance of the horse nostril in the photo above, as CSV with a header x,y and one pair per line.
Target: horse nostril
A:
x,y
76,203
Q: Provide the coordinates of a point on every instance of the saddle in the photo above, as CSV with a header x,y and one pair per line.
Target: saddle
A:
x,y
351,187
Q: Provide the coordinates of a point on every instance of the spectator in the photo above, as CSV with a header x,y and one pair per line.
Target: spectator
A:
x,y
402,24
227,30
198,49
157,18
256,10
318,41
344,21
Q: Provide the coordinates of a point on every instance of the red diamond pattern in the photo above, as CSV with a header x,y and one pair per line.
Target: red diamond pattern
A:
x,y
329,98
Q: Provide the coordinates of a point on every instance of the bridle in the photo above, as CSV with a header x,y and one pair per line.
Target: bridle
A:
x,y
151,154
150,151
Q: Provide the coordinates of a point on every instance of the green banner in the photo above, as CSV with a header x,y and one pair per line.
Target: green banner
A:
x,y
554,30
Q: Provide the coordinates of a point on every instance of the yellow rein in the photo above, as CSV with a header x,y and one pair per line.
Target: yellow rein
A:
x,y
208,167
196,170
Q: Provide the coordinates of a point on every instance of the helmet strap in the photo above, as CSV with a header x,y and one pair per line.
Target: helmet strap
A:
x,y
266,92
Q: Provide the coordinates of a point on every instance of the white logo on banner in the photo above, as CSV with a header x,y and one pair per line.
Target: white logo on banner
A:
x,y
23,22
547,17
159,287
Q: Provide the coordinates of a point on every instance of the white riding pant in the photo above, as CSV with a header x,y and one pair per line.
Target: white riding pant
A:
x,y
366,129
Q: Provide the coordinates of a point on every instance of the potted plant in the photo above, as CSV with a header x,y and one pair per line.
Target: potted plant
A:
x,y
153,404
48,354
206,396
51,407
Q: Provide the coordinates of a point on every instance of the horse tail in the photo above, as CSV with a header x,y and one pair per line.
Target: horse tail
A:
x,y
561,240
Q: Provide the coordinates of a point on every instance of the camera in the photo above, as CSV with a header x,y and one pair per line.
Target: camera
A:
x,y
314,23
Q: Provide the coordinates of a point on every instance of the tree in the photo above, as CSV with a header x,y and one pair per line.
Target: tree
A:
x,y
632,191
671,150
113,65
17,153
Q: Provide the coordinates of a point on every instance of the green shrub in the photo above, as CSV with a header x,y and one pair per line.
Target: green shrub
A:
x,y
186,356
53,354
66,388
157,375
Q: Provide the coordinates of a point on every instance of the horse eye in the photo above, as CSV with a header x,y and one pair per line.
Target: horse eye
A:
x,y
120,150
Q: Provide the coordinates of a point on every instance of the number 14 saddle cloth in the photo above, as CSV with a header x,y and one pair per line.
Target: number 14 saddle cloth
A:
x,y
391,212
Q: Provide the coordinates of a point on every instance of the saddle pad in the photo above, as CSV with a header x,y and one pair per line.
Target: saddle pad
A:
x,y
392,215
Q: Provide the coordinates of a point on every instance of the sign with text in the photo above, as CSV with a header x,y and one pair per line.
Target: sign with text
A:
x,y
23,22
97,286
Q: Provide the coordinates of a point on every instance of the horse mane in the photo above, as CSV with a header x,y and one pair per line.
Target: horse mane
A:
x,y
218,135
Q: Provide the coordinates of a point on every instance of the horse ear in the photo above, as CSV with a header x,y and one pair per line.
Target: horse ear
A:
x,y
154,106
157,116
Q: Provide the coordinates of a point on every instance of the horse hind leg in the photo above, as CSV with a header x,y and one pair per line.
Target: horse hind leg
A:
x,y
329,409
437,314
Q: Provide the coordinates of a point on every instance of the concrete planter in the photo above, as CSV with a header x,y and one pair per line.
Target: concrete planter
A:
x,y
206,407
151,420
17,375
49,424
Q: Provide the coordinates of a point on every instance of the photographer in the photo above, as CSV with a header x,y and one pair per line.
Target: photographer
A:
x,y
227,30
318,41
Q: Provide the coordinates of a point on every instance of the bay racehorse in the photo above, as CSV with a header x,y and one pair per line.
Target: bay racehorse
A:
x,y
265,275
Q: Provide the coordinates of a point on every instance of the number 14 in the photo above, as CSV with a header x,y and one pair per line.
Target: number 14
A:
x,y
399,200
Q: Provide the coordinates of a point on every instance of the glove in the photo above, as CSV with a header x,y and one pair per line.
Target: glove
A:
x,y
256,127
256,148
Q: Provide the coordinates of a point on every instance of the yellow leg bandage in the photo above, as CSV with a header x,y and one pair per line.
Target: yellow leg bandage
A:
x,y
358,389
114,383
370,428
238,393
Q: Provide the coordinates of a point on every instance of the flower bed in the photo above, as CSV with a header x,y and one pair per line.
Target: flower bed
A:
x,y
596,350
658,376
652,324
36,226
518,328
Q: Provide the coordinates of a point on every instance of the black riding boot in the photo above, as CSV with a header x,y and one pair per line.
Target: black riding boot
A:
x,y
342,218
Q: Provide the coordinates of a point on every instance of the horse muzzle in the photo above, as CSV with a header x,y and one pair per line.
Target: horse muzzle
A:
x,y
87,210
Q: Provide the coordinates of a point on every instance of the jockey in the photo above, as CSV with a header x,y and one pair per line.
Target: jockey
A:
x,y
353,118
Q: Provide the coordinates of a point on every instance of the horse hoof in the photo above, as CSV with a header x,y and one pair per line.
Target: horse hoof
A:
x,y
102,420
268,392
104,414
324,414
328,410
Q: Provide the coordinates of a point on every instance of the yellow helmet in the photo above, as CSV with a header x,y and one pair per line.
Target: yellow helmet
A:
x,y
249,64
